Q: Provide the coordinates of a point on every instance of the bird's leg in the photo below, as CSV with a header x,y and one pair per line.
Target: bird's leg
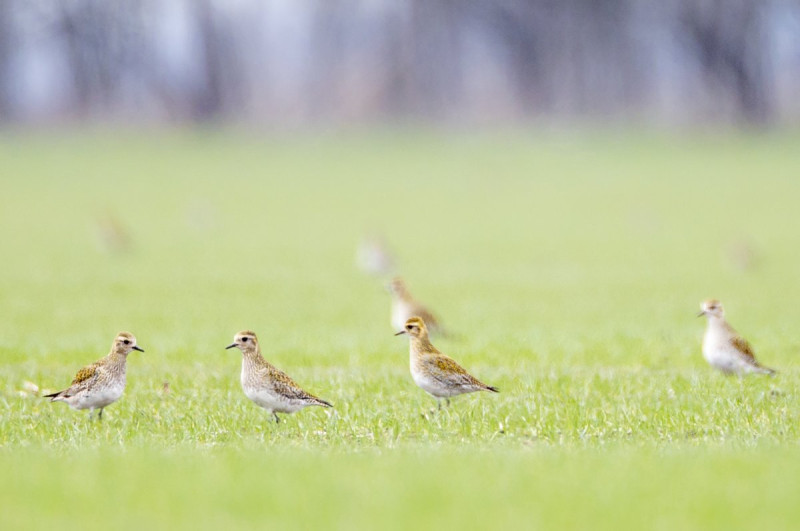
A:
x,y
100,414
277,419
439,404
447,402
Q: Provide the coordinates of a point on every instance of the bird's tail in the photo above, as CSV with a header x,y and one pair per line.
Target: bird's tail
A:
x,y
323,403
492,389
53,396
767,370
448,334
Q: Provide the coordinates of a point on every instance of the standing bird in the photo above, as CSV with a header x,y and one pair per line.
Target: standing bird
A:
x,y
723,347
435,373
101,383
266,385
404,307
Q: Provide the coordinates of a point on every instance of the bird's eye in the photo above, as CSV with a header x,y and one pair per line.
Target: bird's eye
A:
x,y
127,341
409,327
244,340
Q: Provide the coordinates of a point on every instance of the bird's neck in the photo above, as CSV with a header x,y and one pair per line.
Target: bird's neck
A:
x,y
117,358
252,357
718,324
422,345
116,364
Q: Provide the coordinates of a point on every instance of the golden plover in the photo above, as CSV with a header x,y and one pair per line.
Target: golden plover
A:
x,y
112,235
101,383
723,347
404,307
266,385
373,257
435,373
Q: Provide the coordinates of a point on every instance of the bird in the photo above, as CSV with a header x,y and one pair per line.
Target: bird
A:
x,y
404,307
112,234
266,385
435,373
723,347
373,257
101,383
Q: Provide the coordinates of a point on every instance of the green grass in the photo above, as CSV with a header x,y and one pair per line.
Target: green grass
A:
x,y
569,269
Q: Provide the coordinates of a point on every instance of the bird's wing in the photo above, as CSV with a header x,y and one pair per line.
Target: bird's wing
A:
x,y
85,374
83,379
284,385
744,348
446,370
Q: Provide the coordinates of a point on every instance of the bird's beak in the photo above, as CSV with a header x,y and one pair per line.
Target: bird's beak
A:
x,y
137,347
400,332
230,346
701,314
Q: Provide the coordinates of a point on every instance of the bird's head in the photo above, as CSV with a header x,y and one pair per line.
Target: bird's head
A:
x,y
396,287
711,308
124,343
414,327
244,341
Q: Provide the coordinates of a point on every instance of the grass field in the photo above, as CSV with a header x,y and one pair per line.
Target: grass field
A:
x,y
568,269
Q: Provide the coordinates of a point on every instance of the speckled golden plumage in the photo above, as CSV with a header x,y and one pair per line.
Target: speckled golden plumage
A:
x,y
87,372
266,385
437,374
263,372
744,348
723,347
101,383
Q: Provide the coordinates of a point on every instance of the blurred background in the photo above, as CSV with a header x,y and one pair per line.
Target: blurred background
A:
x,y
518,150
289,63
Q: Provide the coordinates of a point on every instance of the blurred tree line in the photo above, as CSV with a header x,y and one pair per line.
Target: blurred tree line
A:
x,y
297,61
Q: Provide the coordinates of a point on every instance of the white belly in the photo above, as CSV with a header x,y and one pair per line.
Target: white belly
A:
x,y
722,359
433,386
273,402
720,353
265,397
98,398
